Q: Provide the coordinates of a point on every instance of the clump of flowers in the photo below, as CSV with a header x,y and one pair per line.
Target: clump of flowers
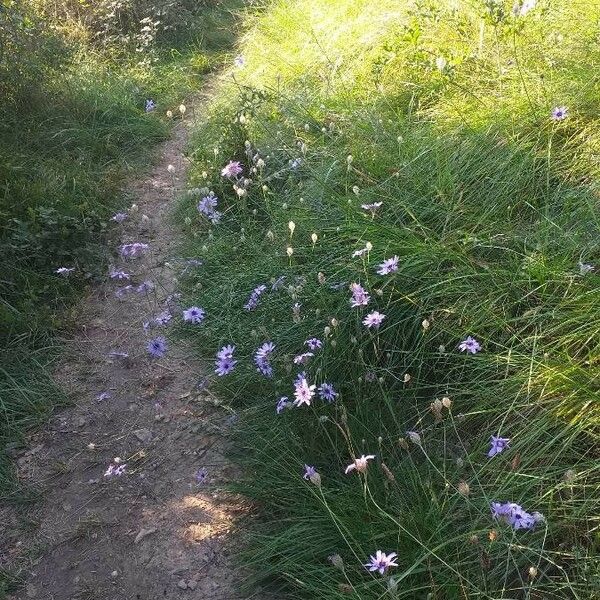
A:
x,y
515,516
303,391
157,347
133,250
497,445
262,359
255,297
360,297
194,314
381,562
225,362
360,464
373,319
232,169
389,265
470,345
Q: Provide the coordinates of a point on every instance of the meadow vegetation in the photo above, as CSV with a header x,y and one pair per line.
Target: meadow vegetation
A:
x,y
74,80
460,137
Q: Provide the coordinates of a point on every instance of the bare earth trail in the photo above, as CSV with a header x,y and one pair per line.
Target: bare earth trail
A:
x,y
154,532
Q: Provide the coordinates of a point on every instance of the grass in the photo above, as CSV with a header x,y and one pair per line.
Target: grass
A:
x,y
442,112
73,130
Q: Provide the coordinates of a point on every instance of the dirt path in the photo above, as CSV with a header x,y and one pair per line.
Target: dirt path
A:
x,y
159,530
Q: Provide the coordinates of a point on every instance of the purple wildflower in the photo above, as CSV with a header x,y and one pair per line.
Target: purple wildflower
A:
x,y
359,464
389,265
327,392
115,469
122,291
559,113
201,476
302,359
255,297
132,250
470,345
194,314
359,295
103,396
225,362
373,319
278,283
261,359
239,61
144,287
282,404
232,169
64,271
163,318
514,515
313,343
309,472
157,347
303,392
150,105
119,275
381,562
497,445
372,208
119,217
207,205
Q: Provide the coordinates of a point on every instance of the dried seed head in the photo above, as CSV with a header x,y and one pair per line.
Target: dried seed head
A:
x,y
446,402
387,472
321,277
463,488
425,324
337,561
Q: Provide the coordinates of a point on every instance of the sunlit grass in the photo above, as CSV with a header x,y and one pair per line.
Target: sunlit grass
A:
x,y
445,112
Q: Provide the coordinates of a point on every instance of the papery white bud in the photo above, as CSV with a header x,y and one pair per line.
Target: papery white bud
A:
x,y
169,114
425,324
321,277
314,237
291,227
369,246
289,251
171,169
270,235
182,109
356,190
407,377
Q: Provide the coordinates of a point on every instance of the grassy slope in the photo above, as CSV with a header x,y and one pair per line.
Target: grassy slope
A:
x,y
490,205
64,156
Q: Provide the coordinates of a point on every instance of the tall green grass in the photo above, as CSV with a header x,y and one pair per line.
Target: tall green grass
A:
x,y
442,112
